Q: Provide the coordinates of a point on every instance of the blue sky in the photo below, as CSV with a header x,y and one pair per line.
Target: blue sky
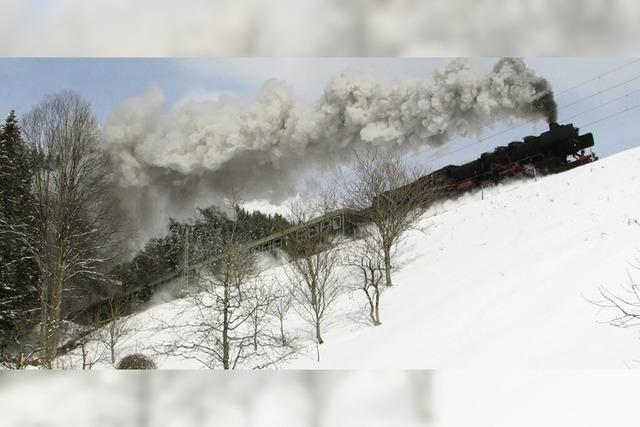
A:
x,y
104,82
107,82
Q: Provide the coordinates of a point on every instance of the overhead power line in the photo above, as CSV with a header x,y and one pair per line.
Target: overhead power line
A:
x,y
612,115
626,95
599,76
601,92
607,89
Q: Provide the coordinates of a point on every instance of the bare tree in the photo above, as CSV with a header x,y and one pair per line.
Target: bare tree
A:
x,y
114,329
225,309
231,328
626,306
76,211
311,270
261,300
388,194
91,354
280,309
85,342
366,260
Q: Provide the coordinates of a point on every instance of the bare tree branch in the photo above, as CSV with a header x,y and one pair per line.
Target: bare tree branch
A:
x,y
77,215
311,270
391,196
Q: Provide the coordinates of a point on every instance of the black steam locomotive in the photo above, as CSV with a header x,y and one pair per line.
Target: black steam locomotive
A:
x,y
556,150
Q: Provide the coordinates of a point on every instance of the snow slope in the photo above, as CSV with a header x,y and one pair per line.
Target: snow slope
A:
x,y
501,279
504,282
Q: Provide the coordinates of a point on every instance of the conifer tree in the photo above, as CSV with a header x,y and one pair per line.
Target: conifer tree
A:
x,y
18,271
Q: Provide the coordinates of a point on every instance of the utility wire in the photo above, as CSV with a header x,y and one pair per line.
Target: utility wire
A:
x,y
612,115
601,92
607,89
603,104
438,157
626,64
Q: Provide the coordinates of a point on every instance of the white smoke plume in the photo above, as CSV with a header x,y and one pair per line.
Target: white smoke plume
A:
x,y
266,147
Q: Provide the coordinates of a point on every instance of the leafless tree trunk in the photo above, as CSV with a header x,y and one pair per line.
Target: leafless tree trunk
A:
x,y
391,196
386,250
261,298
76,211
225,288
89,358
280,308
311,271
364,257
114,329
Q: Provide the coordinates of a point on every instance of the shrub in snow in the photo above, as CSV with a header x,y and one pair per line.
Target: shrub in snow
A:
x,y
136,361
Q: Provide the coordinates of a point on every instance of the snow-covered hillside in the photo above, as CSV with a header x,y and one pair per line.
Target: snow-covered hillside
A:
x,y
501,279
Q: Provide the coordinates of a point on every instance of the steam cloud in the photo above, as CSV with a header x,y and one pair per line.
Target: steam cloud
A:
x,y
266,147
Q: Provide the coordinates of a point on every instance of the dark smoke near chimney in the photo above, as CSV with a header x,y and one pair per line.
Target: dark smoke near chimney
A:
x,y
546,104
267,147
